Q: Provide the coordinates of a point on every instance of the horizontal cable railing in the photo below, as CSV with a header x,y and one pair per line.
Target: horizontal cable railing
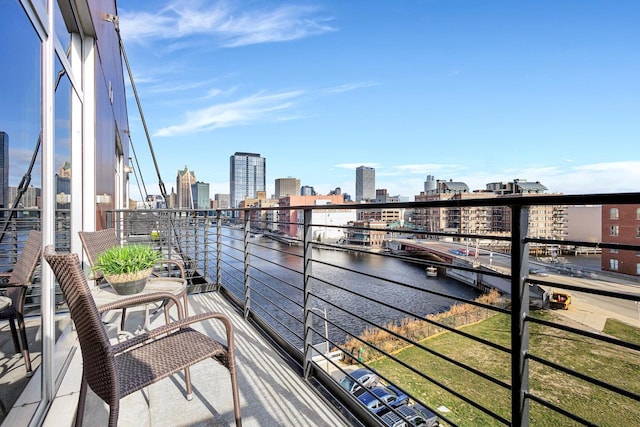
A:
x,y
471,356
460,320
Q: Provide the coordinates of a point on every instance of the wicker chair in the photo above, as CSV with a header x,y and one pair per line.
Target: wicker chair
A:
x,y
115,371
95,243
16,283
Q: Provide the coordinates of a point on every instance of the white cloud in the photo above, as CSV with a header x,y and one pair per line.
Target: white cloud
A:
x,y
251,109
352,86
229,26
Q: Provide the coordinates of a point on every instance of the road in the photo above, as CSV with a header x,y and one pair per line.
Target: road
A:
x,y
589,309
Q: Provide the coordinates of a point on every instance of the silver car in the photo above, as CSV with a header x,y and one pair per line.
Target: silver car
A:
x,y
359,378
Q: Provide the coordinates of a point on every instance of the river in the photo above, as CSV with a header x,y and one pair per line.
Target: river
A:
x,y
277,288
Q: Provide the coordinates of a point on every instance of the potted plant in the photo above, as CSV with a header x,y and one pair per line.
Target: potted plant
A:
x,y
127,268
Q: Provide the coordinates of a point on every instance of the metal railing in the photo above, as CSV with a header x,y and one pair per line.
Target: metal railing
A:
x,y
376,308
471,356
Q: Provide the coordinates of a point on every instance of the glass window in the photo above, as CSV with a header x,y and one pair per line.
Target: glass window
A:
x,y
20,124
637,231
614,230
638,268
613,213
614,251
613,264
637,213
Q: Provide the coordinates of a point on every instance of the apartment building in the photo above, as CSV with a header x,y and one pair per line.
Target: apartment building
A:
x,y
621,225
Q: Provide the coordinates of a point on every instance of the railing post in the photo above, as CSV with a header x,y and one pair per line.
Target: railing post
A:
x,y
519,310
205,245
247,284
308,318
218,249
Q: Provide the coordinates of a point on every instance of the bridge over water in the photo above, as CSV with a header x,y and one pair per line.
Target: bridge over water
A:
x,y
458,255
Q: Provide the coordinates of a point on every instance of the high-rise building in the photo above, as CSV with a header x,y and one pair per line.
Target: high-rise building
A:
x,y
184,181
307,190
200,194
365,183
4,169
248,172
223,200
287,187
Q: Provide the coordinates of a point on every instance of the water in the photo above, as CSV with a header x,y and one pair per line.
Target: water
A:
x,y
342,283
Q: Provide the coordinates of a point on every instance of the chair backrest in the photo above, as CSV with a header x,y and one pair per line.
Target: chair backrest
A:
x,y
27,260
97,358
95,243
23,270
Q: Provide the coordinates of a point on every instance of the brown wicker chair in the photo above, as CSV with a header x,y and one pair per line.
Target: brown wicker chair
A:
x,y
95,243
115,371
16,283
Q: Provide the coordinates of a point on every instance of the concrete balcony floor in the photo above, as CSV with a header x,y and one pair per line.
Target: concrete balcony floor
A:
x,y
271,393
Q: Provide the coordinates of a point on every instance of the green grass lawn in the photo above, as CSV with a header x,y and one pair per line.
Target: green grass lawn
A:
x,y
606,362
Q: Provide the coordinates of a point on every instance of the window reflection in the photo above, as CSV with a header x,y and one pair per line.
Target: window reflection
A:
x,y
20,124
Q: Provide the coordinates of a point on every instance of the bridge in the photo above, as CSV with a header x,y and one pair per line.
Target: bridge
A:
x,y
459,255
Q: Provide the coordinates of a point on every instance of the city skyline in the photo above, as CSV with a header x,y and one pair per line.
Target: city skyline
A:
x,y
476,93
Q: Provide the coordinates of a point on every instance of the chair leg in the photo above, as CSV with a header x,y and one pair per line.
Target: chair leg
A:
x,y
187,381
236,397
124,315
25,346
14,335
81,400
114,411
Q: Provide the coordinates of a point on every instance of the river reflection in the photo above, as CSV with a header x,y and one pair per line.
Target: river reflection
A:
x,y
342,279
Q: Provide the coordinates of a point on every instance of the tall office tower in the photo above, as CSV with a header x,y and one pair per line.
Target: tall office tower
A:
x,y
287,187
248,173
4,169
200,194
184,181
365,183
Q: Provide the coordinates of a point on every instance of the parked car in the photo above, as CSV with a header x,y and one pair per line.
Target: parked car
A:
x,y
373,398
416,415
359,378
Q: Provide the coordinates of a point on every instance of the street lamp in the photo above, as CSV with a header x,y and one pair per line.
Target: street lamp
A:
x,y
326,333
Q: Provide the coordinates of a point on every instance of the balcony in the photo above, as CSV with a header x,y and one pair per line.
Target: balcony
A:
x,y
306,315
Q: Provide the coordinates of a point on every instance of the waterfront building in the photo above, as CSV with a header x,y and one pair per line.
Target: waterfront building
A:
x,y
368,234
247,177
438,219
184,196
4,169
200,195
30,198
365,183
544,221
388,215
223,200
621,225
287,187
291,220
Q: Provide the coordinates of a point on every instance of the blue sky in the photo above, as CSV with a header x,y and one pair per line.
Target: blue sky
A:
x,y
474,91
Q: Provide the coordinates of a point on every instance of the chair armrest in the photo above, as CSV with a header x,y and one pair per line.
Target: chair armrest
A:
x,y
140,339
179,264
139,300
